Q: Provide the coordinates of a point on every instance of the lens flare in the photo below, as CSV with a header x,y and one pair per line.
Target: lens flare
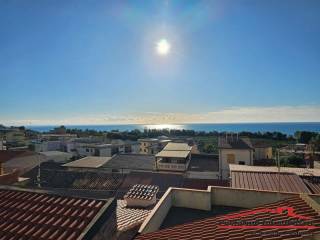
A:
x,y
163,47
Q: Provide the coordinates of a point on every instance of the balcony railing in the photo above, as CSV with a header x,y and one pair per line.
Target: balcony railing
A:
x,y
172,166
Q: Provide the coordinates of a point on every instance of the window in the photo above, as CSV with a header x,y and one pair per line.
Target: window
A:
x,y
87,150
241,163
231,158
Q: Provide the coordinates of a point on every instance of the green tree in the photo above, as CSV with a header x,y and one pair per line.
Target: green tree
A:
x,y
210,148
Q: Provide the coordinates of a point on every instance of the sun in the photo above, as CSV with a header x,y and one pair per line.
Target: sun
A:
x,y
163,47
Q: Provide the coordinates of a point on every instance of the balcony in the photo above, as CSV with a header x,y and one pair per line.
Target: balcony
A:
x,y
172,166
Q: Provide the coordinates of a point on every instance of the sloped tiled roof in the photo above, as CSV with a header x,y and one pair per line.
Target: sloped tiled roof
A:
x,y
234,143
131,161
209,228
81,180
128,217
33,215
88,162
313,183
268,181
6,155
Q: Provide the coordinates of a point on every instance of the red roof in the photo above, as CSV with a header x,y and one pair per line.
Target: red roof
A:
x,y
6,155
268,181
128,217
209,228
31,215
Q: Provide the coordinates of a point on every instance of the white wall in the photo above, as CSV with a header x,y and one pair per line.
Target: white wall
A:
x,y
105,152
135,148
82,151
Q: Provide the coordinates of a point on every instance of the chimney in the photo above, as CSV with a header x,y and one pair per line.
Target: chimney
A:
x,y
141,196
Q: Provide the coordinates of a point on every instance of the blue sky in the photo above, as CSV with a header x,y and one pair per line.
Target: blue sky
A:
x,y
95,61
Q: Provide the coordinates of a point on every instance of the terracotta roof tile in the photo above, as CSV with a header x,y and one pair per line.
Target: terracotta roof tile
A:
x,y
128,218
209,228
313,183
31,215
6,155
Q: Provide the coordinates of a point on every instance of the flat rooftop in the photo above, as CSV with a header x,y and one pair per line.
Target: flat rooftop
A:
x,y
204,163
88,162
177,147
173,154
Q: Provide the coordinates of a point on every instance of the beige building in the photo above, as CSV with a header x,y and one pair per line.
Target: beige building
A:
x,y
152,145
234,150
262,151
13,136
174,157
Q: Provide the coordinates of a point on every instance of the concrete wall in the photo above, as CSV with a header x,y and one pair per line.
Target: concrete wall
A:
x,y
135,148
105,152
244,155
263,153
82,151
48,146
202,175
204,199
244,198
155,218
191,198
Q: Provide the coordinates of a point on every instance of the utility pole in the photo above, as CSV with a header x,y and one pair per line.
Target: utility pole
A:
x,y
279,182
39,171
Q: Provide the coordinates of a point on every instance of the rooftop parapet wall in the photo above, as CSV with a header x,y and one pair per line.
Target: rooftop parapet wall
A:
x,y
244,198
204,199
175,197
191,198
158,214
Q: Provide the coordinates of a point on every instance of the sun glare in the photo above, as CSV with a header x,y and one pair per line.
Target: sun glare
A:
x,y
163,47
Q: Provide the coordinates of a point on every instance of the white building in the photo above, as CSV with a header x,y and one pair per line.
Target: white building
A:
x,y
45,146
102,150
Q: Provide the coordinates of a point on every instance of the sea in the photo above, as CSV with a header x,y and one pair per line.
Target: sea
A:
x,y
288,128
